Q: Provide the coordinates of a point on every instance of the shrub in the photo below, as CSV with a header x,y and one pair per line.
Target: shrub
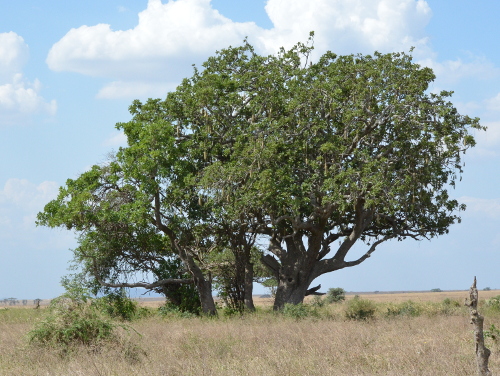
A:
x,y
297,311
72,322
493,303
451,303
360,309
317,302
335,295
494,333
408,308
436,290
117,305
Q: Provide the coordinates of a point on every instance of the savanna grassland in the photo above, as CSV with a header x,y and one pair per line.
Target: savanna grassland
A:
x,y
427,335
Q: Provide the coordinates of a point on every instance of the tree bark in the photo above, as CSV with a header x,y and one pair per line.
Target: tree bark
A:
x,y
204,288
289,293
294,279
203,285
248,293
482,352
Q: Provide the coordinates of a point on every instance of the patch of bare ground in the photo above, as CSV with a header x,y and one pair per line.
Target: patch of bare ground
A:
x,y
260,344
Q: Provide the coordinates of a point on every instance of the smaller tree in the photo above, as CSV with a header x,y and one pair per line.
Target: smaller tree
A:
x,y
335,295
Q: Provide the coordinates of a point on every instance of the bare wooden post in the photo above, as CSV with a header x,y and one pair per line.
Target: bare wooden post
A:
x,y
482,352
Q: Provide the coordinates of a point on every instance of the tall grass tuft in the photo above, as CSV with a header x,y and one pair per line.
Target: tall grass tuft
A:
x,y
360,309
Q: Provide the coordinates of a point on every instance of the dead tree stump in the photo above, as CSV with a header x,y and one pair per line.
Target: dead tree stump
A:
x,y
482,352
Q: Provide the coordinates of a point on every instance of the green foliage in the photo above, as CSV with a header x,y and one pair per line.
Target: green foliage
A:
x,y
360,309
298,311
318,302
117,305
182,297
436,290
487,289
494,334
408,308
335,295
72,322
447,302
272,284
268,146
169,310
493,303
229,311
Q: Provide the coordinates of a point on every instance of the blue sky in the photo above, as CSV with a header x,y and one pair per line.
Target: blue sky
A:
x,y
70,69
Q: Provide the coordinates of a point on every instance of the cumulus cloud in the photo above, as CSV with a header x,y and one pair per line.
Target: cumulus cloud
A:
x,y
348,26
18,96
26,195
170,36
452,71
14,54
178,31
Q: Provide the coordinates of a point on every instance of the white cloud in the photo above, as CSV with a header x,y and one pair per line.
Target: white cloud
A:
x,y
170,37
492,135
481,206
18,96
348,26
117,139
27,196
451,71
22,97
14,54
493,104
166,35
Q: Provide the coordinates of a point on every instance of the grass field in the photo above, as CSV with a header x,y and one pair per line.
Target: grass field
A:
x,y
433,339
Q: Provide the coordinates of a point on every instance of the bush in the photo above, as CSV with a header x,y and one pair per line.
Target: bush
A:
x,y
335,295
408,308
317,302
72,322
493,303
360,309
436,290
297,311
494,333
117,305
451,303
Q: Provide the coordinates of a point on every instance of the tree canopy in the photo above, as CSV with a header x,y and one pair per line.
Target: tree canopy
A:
x,y
304,155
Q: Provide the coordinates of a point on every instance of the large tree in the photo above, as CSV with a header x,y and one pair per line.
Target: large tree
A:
x,y
348,149
305,155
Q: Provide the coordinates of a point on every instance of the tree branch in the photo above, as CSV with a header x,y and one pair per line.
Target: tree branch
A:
x,y
314,291
148,286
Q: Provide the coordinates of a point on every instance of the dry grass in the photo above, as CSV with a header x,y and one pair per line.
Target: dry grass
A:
x,y
425,296
261,344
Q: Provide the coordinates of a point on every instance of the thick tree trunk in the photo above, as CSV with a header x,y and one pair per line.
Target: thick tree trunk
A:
x,y
288,293
249,287
203,285
204,288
